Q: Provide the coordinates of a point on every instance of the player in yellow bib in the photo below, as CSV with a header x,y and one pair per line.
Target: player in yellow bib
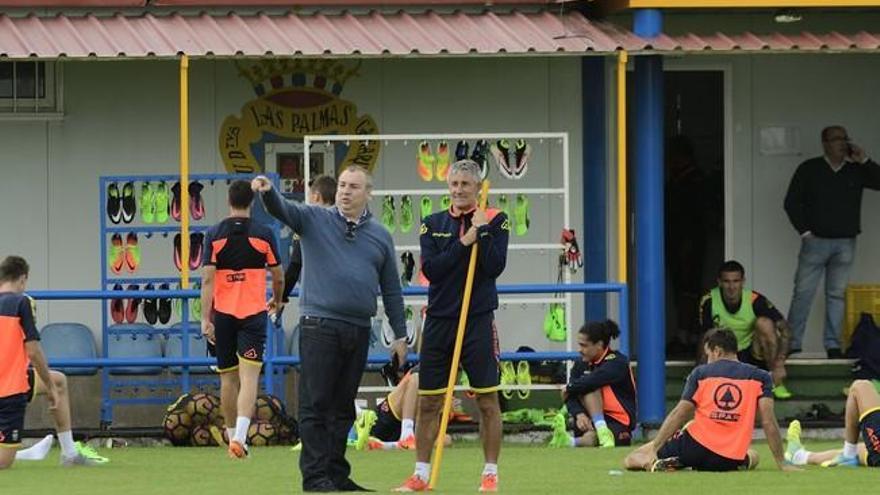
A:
x,y
762,334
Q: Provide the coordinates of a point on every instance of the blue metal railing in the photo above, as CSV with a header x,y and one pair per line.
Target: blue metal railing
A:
x,y
272,357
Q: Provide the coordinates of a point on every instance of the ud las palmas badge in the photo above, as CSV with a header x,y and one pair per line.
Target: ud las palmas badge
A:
x,y
295,98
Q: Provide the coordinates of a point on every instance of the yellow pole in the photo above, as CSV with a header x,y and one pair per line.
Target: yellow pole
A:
x,y
621,167
184,171
456,352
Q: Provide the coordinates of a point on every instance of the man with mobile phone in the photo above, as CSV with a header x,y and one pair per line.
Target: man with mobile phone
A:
x,y
824,203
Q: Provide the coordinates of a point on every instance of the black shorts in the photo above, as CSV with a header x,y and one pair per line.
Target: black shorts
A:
x,y
12,419
387,427
692,454
747,356
239,340
870,427
622,433
479,354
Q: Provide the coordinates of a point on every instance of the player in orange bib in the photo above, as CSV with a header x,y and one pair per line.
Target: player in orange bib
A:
x,y
723,397
237,253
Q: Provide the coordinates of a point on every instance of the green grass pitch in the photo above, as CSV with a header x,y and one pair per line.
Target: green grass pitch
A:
x,y
523,469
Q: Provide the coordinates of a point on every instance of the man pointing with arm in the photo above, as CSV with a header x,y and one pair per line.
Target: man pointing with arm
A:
x,y
348,258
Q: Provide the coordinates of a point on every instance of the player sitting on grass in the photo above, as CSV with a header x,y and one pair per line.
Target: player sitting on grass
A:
x,y
723,396
19,382
862,415
601,396
72,453
392,424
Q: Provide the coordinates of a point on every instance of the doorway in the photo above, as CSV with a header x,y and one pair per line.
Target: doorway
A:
x,y
287,160
694,125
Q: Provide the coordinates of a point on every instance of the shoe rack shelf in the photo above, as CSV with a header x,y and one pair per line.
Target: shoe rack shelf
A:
x,y
562,194
154,229
183,380
511,247
148,280
494,192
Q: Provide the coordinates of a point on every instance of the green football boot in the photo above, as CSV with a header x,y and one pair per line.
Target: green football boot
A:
x,y
406,214
148,203
521,214
388,213
427,206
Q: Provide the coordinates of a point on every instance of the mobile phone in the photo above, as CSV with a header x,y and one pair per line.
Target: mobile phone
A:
x,y
849,148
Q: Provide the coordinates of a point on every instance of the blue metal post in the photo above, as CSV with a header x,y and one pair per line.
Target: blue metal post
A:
x,y
648,176
106,405
647,23
595,182
184,349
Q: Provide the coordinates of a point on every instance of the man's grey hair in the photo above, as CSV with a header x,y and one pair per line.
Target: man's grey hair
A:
x,y
367,174
467,166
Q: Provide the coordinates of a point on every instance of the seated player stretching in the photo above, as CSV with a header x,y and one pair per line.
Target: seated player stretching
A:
x,y
724,397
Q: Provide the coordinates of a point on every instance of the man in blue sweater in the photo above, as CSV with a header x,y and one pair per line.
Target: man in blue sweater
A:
x,y
348,258
446,238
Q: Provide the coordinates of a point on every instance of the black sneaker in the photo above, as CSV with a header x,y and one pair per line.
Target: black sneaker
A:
x,y
164,306
481,156
322,486
128,203
151,307
834,353
178,261
196,241
350,486
389,373
114,203
667,464
461,150
409,264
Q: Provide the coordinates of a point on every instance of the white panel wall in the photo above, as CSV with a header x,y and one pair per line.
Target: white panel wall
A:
x,y
807,92
122,118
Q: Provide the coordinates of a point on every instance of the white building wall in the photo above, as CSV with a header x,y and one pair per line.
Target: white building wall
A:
x,y
122,118
807,93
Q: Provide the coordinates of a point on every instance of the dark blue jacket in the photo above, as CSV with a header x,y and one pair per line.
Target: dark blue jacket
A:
x,y
445,261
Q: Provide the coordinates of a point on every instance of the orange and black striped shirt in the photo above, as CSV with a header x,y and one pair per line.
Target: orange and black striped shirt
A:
x,y
241,250
17,326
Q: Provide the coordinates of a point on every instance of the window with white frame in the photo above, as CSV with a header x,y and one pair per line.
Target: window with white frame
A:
x,y
29,88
